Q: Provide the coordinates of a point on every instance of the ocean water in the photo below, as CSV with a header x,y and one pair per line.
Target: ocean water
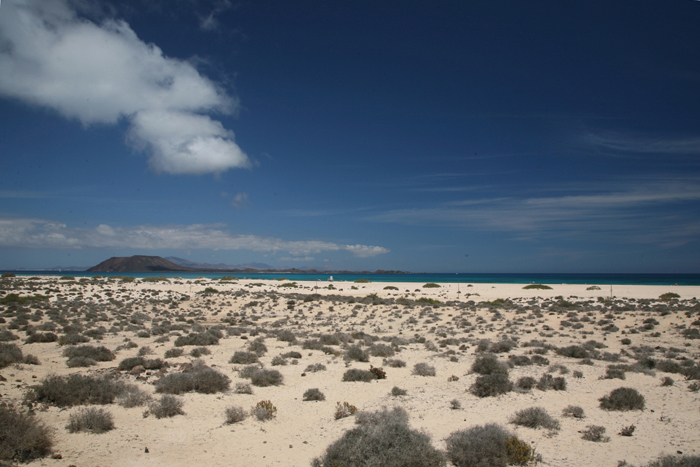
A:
x,y
463,278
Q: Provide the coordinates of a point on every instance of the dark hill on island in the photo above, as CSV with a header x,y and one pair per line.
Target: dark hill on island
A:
x,y
139,263
142,263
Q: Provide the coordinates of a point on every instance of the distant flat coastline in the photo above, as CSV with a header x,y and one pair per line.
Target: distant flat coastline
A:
x,y
461,278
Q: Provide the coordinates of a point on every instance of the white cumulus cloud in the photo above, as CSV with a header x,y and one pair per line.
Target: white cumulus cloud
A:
x,y
52,57
41,233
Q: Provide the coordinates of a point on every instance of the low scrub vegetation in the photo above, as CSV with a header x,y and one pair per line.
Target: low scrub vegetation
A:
x,y
488,445
264,411
384,440
75,389
22,436
199,378
91,420
623,399
535,417
167,406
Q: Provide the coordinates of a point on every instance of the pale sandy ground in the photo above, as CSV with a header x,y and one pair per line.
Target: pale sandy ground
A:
x,y
302,430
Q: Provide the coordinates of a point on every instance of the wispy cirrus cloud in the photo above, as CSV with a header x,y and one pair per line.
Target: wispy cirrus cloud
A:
x,y
625,142
41,233
640,210
51,56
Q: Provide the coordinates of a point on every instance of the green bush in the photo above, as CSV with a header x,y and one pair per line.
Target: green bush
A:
x,y
130,363
397,391
22,436
264,378
526,383
548,382
355,374
80,362
73,339
397,415
355,352
491,385
595,433
423,369
201,379
381,350
479,446
132,396
198,339
7,336
41,337
9,354
488,365
100,354
167,406
573,411
574,351
173,353
235,415
537,287
535,417
199,351
314,394
75,389
668,296
623,399
244,358
313,368
90,419
243,388
614,373
258,346
385,441
395,363
431,285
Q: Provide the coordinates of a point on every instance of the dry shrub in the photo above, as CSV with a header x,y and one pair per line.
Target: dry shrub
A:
x,y
382,440
344,410
264,411
167,406
90,419
235,415
22,436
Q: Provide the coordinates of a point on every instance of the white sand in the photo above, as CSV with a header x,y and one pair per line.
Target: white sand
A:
x,y
302,430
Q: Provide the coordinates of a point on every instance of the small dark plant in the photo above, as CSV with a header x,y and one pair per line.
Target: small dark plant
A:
x,y
491,385
627,430
235,415
595,433
167,406
623,399
344,410
423,369
90,419
355,374
573,411
535,417
264,411
314,394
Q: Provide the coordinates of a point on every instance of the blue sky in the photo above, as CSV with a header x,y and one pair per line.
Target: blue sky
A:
x,y
446,136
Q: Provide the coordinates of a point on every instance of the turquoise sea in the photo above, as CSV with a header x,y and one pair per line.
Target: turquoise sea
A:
x,y
465,278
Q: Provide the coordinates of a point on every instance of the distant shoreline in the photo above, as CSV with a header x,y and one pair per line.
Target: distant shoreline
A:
x,y
384,277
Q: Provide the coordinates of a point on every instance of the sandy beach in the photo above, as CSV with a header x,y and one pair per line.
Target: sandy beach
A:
x,y
447,327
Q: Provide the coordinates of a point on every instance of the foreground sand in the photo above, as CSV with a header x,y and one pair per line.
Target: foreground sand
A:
x,y
302,429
